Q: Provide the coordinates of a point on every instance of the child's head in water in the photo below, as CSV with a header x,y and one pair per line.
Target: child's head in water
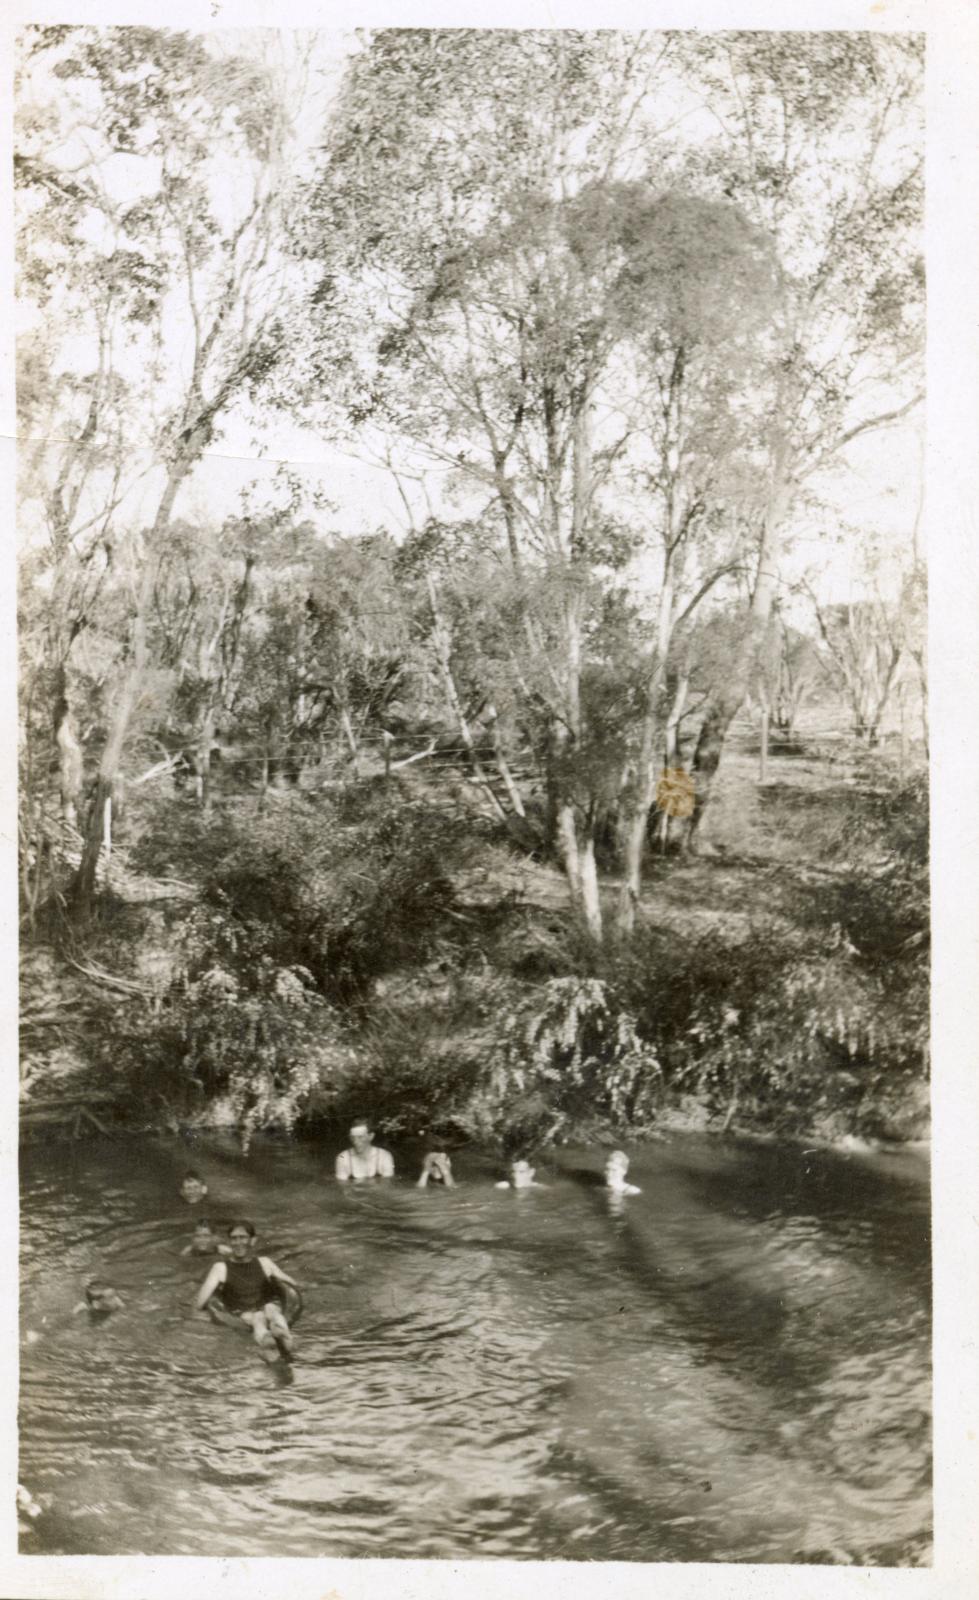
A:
x,y
101,1296
193,1188
437,1168
521,1173
616,1167
204,1241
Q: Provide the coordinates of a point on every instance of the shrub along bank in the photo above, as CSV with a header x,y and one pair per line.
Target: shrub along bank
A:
x,y
336,958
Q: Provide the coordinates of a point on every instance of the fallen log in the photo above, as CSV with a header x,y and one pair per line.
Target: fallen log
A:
x,y
110,980
66,1117
98,1097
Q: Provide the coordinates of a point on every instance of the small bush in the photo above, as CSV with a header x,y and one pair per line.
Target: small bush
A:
x,y
567,1057
348,901
779,1025
235,1039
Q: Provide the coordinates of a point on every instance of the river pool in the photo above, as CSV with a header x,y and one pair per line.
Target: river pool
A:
x,y
733,1365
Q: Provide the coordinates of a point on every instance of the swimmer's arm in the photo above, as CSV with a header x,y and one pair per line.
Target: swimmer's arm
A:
x,y
211,1283
423,1180
224,1249
81,1306
342,1167
272,1271
503,1184
385,1164
186,1249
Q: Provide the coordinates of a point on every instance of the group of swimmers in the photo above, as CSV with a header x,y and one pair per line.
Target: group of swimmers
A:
x,y
364,1159
242,1286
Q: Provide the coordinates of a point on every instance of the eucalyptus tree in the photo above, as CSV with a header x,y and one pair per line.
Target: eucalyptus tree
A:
x,y
491,242
440,229
324,654
166,153
820,142
864,645
701,349
789,672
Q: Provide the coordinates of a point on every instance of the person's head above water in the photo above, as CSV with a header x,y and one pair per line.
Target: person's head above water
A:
x,y
437,1168
203,1241
192,1187
616,1167
241,1236
101,1296
361,1135
521,1173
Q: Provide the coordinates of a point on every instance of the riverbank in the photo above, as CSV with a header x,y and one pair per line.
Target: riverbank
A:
x,y
390,951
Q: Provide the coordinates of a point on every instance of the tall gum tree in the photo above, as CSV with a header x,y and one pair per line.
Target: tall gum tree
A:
x,y
474,218
460,301
704,287
820,143
171,151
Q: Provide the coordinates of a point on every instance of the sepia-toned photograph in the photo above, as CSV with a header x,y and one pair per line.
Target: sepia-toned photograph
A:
x,y
473,808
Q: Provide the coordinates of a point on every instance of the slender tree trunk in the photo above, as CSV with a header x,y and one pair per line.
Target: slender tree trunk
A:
x,y
643,788
348,729
672,730
70,761
83,889
441,636
726,700
883,698
720,713
591,908
264,777
205,743
502,766
580,864
653,731
642,793
578,860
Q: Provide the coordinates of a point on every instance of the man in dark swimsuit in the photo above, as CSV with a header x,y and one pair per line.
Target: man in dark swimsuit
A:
x,y
246,1284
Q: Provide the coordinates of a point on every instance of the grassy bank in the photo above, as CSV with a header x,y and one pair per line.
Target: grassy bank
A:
x,y
386,949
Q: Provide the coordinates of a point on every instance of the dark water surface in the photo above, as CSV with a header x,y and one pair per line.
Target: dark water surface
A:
x,y
731,1366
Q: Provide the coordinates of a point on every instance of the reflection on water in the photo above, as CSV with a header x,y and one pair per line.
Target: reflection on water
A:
x,y
731,1366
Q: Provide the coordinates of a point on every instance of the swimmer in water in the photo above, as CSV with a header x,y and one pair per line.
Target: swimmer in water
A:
x,y
100,1299
521,1176
204,1242
364,1159
192,1188
616,1168
245,1288
436,1168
